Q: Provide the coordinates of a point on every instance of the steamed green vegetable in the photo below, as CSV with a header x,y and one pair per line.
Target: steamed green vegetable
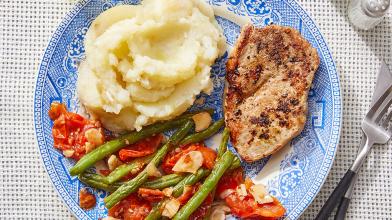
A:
x,y
97,181
223,145
133,167
115,145
132,185
209,184
190,179
164,181
200,136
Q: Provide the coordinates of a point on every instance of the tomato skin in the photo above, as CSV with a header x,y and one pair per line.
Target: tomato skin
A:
x,y
151,195
230,181
131,208
172,157
247,207
86,199
187,194
69,130
209,156
141,148
104,172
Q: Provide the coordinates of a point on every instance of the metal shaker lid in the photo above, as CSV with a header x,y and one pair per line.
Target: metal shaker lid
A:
x,y
375,8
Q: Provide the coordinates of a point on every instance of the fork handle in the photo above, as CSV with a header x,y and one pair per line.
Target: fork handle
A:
x,y
336,196
342,209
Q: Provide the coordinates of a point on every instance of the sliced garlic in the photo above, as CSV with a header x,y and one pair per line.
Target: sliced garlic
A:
x,y
168,191
171,208
89,147
266,199
189,162
202,121
68,153
94,136
218,211
241,190
113,162
260,194
152,170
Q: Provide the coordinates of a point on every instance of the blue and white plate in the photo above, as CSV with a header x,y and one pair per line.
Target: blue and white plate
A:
x,y
294,175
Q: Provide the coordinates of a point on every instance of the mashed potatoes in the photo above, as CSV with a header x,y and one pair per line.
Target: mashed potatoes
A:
x,y
147,63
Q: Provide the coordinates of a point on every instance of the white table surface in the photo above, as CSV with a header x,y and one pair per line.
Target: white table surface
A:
x,y
25,28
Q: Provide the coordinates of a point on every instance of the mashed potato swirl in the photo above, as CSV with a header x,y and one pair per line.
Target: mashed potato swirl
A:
x,y
146,63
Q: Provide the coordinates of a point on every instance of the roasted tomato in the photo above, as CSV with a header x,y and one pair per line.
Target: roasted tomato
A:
x,y
86,199
73,134
104,172
171,158
247,207
151,195
187,194
131,208
141,148
230,181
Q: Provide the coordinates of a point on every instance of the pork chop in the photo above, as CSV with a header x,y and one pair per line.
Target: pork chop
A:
x,y
269,74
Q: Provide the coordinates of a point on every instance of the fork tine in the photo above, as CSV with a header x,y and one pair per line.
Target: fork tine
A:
x,y
380,107
387,119
383,108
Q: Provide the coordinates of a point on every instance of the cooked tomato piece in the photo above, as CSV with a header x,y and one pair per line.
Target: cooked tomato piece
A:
x,y
131,208
69,131
187,194
172,157
86,199
209,157
104,172
151,195
141,148
203,208
247,207
230,181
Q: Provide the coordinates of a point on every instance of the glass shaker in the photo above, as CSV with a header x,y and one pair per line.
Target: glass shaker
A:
x,y
366,14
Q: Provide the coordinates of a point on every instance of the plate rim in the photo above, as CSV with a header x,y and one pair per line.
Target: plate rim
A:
x,y
303,204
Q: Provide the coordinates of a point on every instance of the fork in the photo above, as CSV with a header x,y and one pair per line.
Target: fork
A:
x,y
377,130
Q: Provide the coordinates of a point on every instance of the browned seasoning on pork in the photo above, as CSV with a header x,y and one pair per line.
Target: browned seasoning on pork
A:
x,y
269,74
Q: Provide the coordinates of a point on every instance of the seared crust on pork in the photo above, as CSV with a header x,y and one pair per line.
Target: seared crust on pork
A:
x,y
269,74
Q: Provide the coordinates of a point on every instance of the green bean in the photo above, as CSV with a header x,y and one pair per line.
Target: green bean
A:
x,y
209,184
156,211
200,136
223,145
93,176
113,146
235,164
164,181
189,180
96,181
188,115
132,185
221,150
133,167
